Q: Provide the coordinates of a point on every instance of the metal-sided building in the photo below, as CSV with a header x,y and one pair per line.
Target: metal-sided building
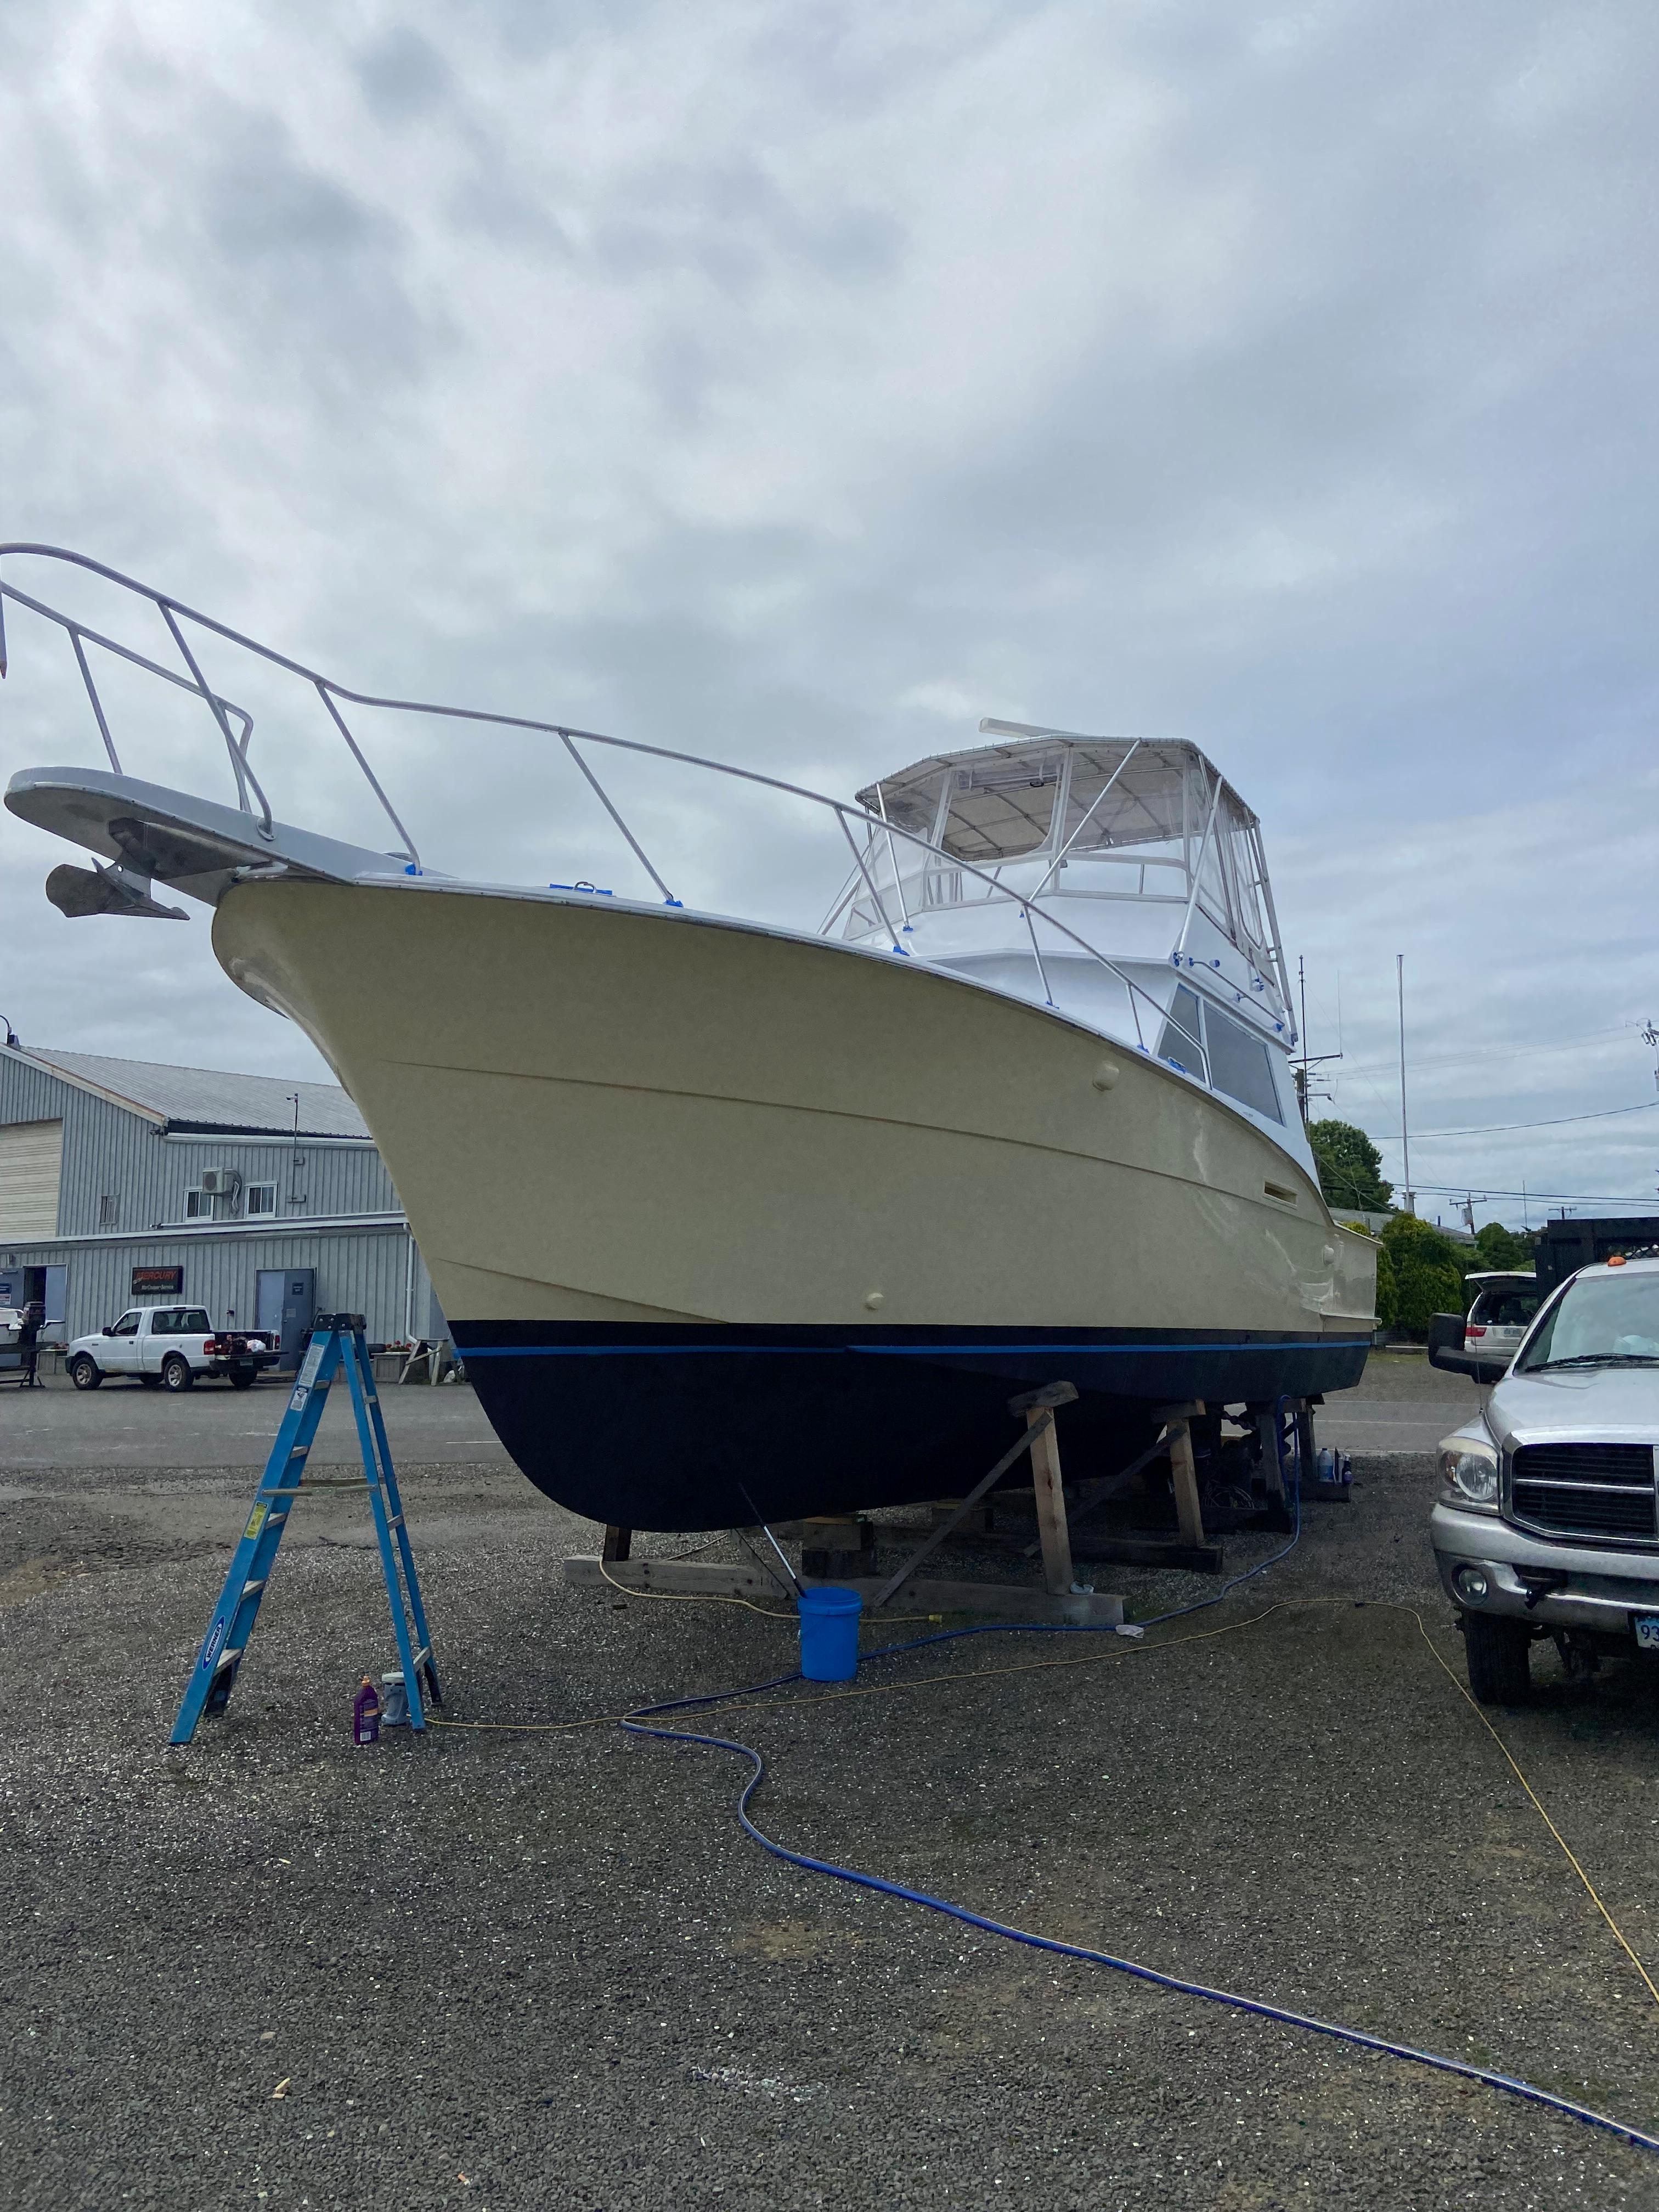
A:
x,y
123,1183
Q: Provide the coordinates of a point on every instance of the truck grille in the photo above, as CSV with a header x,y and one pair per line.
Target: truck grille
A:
x,y
1604,1490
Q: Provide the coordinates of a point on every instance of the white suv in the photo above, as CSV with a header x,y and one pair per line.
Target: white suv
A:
x,y
1488,1337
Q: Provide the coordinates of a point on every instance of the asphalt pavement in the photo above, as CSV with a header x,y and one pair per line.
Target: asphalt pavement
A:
x,y
213,1426
1401,1404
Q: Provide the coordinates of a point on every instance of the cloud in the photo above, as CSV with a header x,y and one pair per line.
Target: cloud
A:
x,y
797,384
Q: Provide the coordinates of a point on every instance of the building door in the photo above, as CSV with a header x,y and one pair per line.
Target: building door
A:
x,y
55,1297
284,1302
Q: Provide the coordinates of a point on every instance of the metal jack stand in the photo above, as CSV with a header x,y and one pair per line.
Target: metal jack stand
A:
x,y
336,1346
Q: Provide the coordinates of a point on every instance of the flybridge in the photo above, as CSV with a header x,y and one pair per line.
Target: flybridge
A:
x,y
1064,816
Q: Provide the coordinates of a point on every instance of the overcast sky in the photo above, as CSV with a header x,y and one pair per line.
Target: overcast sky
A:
x,y
798,383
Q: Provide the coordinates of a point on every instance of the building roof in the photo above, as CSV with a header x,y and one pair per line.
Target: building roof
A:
x,y
206,1099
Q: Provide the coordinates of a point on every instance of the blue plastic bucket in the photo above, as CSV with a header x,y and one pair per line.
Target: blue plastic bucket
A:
x,y
829,1634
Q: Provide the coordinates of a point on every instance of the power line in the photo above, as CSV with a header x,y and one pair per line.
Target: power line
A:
x,y
1484,1191
1560,1121
1467,1059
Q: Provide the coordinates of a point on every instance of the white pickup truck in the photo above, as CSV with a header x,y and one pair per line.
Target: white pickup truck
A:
x,y
167,1347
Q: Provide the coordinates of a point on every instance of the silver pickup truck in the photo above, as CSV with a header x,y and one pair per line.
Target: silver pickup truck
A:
x,y
1545,1521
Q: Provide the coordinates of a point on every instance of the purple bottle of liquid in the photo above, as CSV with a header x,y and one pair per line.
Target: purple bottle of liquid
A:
x,y
365,1714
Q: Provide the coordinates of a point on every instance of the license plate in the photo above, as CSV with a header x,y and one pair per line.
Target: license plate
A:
x,y
1646,1626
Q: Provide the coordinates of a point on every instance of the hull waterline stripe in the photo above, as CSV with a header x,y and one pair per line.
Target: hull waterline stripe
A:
x,y
878,1350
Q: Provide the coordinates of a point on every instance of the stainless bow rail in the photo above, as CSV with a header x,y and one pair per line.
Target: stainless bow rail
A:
x,y
251,800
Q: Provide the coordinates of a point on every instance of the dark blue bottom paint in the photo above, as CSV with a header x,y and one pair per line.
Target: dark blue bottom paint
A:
x,y
668,1427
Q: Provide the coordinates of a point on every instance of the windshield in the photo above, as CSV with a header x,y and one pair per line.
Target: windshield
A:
x,y
1599,1321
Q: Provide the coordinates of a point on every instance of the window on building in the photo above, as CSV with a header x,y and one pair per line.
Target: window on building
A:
x,y
198,1205
261,1198
106,1212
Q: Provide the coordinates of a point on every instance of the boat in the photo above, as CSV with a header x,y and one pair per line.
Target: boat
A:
x,y
739,1220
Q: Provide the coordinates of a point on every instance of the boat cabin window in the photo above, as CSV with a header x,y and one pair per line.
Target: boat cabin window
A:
x,y
1000,809
1179,1040
1238,1064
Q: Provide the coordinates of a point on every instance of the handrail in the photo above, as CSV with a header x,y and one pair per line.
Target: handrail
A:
x,y
329,691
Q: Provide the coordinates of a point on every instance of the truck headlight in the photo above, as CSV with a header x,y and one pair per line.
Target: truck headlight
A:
x,y
1468,1468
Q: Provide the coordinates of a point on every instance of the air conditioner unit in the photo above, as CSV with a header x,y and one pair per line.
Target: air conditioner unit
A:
x,y
221,1182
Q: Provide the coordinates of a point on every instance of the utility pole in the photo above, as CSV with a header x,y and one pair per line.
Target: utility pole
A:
x,y
1405,1133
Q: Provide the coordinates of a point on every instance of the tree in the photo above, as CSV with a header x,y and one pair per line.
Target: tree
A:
x,y
1427,1278
1350,1167
1387,1294
1501,1248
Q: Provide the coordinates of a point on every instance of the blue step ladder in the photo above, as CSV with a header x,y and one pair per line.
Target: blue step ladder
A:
x,y
337,1346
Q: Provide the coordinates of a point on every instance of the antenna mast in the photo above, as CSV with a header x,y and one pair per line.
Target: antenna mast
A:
x,y
1305,1060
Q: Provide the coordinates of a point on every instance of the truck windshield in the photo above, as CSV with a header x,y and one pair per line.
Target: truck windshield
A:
x,y
1600,1320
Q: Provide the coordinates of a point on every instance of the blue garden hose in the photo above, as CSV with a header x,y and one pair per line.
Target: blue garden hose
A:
x,y
638,1723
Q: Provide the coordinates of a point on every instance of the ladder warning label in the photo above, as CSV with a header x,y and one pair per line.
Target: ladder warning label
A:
x,y
256,1522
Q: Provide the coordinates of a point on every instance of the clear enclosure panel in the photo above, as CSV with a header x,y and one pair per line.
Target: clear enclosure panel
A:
x,y
1000,809
1125,793
1243,849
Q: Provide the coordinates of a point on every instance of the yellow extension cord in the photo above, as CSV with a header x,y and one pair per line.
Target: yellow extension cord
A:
x,y
1123,1650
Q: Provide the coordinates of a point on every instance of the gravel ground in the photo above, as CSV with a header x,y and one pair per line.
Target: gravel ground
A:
x,y
514,1969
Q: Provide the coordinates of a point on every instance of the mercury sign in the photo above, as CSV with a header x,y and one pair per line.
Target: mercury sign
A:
x,y
158,1282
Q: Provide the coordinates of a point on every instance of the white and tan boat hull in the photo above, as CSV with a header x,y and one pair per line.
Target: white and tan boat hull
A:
x,y
730,1223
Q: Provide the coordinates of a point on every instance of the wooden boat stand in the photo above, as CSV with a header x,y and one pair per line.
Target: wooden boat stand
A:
x,y
1189,1547
839,1548
1061,1599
